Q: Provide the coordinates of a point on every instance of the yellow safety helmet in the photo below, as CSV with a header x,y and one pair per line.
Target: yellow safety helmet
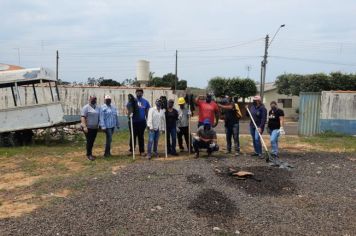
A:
x,y
181,101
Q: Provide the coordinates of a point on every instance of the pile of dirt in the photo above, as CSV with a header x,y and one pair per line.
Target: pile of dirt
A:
x,y
195,179
214,205
266,180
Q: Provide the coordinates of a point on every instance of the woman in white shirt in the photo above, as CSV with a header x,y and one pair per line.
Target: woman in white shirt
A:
x,y
155,122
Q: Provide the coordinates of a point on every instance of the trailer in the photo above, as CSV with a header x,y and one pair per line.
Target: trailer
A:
x,y
19,119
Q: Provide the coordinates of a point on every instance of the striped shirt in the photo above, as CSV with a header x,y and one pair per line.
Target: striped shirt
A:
x,y
108,117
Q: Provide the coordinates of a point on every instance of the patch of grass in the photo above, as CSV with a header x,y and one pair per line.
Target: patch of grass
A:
x,y
330,140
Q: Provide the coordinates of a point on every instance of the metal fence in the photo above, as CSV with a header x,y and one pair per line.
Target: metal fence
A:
x,y
309,113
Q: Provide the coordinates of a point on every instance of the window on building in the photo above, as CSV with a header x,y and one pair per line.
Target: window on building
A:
x,y
287,102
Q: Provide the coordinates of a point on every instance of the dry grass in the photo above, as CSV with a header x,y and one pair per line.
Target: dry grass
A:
x,y
33,176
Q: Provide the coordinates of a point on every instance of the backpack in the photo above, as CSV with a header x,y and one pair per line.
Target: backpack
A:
x,y
237,111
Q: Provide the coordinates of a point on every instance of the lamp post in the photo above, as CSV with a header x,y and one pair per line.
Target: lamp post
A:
x,y
264,61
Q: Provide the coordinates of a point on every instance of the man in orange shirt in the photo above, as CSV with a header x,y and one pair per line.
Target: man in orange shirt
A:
x,y
208,109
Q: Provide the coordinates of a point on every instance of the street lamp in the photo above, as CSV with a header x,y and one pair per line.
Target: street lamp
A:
x,y
264,61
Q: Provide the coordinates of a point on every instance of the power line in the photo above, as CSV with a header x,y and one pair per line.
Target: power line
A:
x,y
314,60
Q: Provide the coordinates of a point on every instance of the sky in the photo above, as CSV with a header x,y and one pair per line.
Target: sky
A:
x,y
213,38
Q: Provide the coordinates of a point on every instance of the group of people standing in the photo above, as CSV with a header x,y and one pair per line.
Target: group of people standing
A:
x,y
175,123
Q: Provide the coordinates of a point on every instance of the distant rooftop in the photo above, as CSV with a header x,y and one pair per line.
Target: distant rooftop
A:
x,y
6,67
268,86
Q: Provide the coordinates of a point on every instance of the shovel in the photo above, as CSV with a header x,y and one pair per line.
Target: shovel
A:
x,y
268,156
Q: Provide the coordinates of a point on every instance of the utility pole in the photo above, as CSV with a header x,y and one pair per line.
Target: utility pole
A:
x,y
57,60
263,68
176,72
248,68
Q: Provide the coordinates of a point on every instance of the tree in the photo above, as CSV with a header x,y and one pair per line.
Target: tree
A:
x,y
92,81
61,82
130,82
339,81
167,80
182,85
293,84
219,86
109,82
232,87
248,88
315,83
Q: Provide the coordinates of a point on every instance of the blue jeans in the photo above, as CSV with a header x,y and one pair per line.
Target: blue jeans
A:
x,y
153,136
274,135
232,131
109,132
257,146
171,133
198,144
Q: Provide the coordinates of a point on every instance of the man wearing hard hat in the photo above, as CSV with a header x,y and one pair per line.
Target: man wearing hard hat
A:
x,y
183,124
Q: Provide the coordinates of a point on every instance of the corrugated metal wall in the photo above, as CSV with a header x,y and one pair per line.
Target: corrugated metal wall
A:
x,y
309,114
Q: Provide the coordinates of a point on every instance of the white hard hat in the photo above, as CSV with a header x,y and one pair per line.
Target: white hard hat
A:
x,y
107,97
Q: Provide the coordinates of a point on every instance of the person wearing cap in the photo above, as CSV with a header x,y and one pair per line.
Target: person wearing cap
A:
x,y
275,126
108,122
90,123
206,139
156,123
139,120
208,109
259,115
183,124
171,127
232,127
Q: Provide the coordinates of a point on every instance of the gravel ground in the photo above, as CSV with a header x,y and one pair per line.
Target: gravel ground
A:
x,y
189,197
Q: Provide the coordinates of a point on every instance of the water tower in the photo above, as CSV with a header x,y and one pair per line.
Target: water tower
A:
x,y
143,72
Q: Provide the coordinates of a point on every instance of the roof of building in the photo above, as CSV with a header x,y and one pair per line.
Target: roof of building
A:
x,y
268,86
7,67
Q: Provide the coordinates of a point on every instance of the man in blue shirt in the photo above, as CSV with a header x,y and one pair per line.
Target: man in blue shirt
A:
x,y
259,115
139,115
108,122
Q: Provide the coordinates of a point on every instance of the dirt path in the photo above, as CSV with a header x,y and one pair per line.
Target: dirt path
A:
x,y
188,197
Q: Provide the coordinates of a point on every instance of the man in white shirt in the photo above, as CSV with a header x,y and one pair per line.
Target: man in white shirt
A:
x,y
155,122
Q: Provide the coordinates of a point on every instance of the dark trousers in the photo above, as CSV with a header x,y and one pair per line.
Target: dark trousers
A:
x,y
90,136
139,133
171,134
108,132
198,144
232,131
183,131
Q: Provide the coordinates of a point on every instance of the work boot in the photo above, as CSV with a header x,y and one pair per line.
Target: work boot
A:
x,y
197,155
237,154
142,154
255,154
91,157
228,152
